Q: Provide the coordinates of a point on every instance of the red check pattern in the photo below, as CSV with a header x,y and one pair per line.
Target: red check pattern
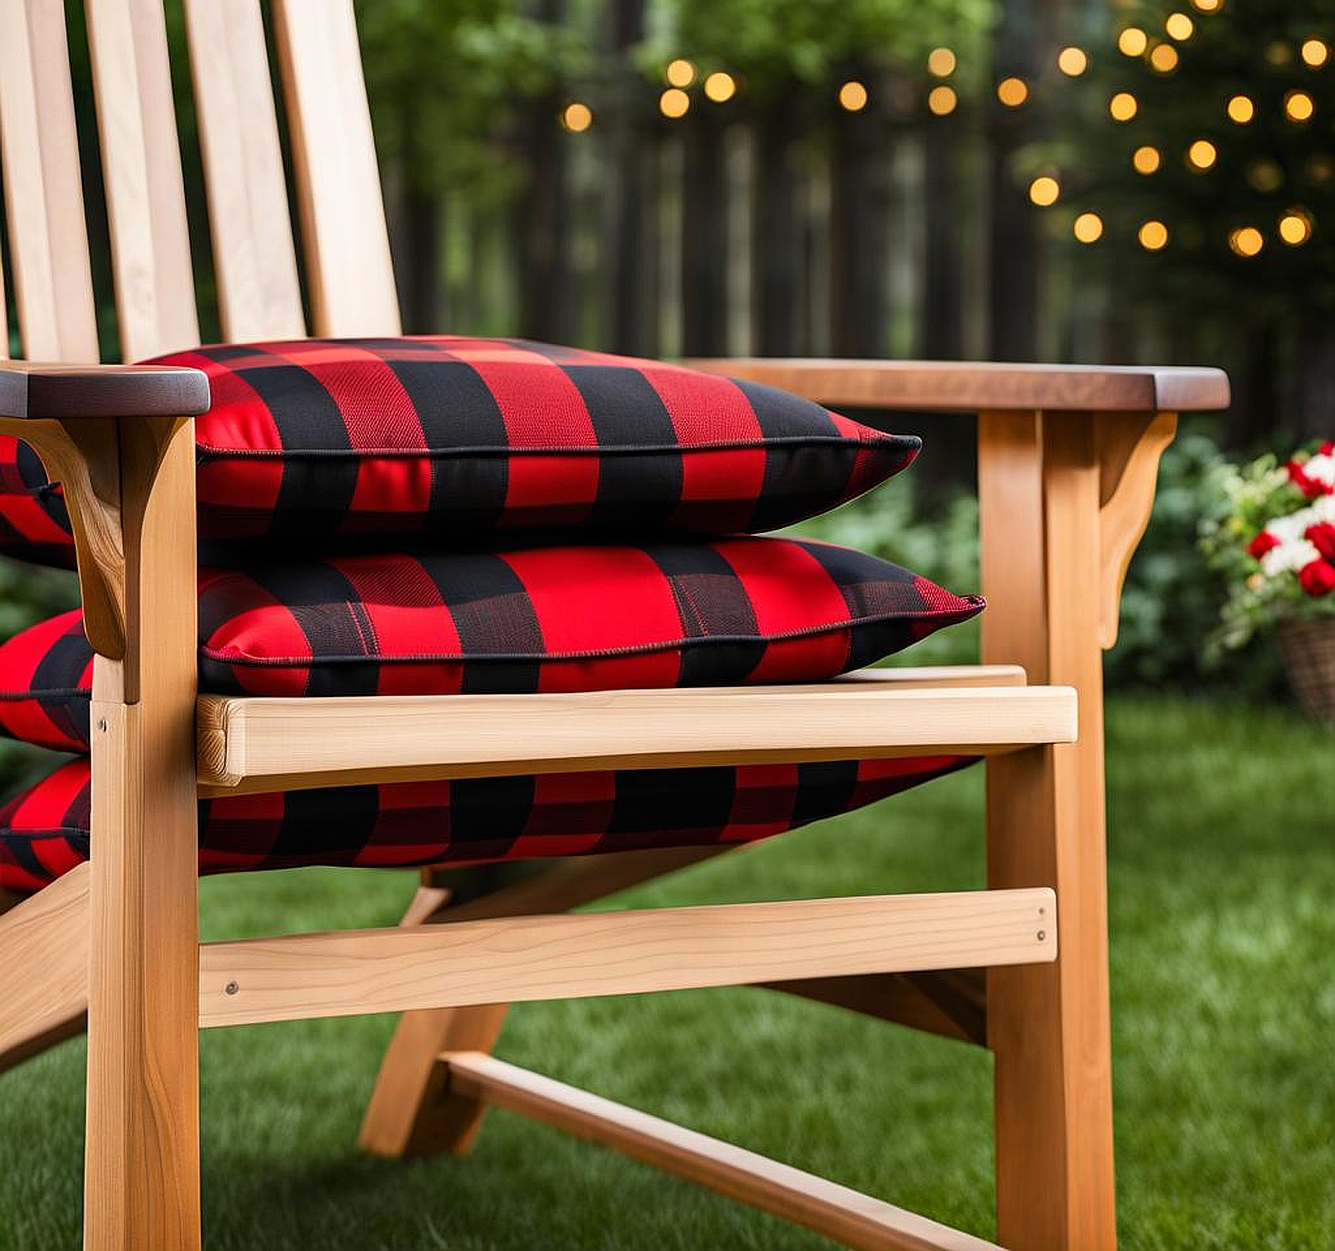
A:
x,y
46,681
45,831
459,440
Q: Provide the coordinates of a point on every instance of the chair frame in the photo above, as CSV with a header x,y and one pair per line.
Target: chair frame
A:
x,y
1067,462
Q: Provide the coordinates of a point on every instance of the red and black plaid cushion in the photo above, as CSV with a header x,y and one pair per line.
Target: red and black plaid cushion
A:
x,y
749,610
34,525
458,439
46,679
44,832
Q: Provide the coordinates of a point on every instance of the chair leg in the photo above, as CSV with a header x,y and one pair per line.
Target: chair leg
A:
x,y
141,1187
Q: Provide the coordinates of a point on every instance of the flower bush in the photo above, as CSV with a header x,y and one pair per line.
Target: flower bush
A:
x,y
1275,544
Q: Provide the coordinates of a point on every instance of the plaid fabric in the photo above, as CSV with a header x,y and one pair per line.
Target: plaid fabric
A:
x,y
562,619
46,680
34,525
44,832
458,439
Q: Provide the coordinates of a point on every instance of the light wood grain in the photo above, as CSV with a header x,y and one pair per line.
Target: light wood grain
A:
x,y
141,1186
43,966
141,169
1049,1028
853,1219
566,957
53,283
259,744
259,293
348,268
412,1111
968,386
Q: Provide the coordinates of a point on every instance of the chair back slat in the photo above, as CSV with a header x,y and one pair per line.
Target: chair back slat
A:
x,y
349,273
259,292
141,169
53,286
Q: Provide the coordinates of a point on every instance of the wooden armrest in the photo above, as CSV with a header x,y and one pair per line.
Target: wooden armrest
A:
x,y
963,386
33,392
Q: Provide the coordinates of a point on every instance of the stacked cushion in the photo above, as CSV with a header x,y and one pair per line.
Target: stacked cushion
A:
x,y
559,503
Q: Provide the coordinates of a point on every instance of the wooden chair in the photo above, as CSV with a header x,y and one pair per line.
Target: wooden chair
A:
x,y
1067,468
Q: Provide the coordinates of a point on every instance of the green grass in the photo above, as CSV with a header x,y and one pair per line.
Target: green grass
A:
x,y
1223,876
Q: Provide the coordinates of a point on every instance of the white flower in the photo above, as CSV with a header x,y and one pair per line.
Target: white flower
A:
x,y
1291,555
1320,468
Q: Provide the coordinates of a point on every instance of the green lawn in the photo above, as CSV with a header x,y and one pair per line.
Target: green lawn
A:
x,y
1223,876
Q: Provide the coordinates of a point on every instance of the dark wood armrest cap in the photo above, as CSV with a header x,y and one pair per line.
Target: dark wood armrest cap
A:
x,y
31,391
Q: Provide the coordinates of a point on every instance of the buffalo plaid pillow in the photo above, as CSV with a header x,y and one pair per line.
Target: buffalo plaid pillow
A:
x,y
749,610
459,439
44,832
34,525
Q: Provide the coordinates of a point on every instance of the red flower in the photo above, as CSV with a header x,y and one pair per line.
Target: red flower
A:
x,y
1318,578
1322,537
1327,448
1310,487
1262,543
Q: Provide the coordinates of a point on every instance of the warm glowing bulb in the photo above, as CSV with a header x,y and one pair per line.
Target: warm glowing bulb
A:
x,y
1241,109
1295,227
674,102
720,87
1146,159
1315,52
1164,58
1123,106
1012,92
1179,26
1132,41
1208,6
941,62
1088,227
680,73
1072,62
1153,236
1246,241
577,117
942,100
853,97
1202,154
1298,106
1044,191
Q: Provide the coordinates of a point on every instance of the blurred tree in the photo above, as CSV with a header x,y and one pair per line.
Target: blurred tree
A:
x,y
1204,148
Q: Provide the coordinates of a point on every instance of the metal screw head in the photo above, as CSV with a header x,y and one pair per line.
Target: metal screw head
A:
x,y
231,988
1042,934
102,724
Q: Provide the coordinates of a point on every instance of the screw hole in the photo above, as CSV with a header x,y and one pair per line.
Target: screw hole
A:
x,y
102,725
1042,934
231,988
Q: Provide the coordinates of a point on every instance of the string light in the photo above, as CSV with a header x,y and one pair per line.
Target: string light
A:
x,y
1179,26
941,62
1246,241
1278,53
1208,6
1146,159
720,87
1265,176
680,73
1072,62
1320,168
1132,41
1012,92
1153,236
942,100
1202,154
674,103
1123,106
1315,52
577,117
1298,106
1088,228
1295,227
853,96
1044,190
1164,58
1241,109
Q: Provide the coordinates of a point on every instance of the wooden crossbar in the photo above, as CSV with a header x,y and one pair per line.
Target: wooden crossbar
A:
x,y
854,1219
521,959
265,744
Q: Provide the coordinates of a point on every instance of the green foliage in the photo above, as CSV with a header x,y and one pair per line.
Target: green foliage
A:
x,y
776,41
446,78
